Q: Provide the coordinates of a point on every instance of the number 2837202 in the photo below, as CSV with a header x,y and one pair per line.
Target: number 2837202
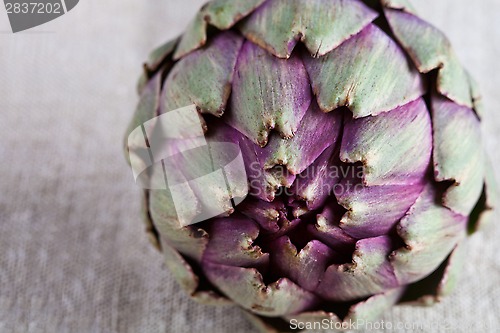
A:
x,y
33,8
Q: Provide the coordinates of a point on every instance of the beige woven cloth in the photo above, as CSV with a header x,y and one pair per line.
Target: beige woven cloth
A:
x,y
73,255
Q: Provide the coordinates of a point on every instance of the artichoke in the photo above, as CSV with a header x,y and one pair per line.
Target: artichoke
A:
x,y
360,133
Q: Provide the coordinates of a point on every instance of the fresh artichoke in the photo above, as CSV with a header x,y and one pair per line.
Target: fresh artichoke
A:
x,y
307,87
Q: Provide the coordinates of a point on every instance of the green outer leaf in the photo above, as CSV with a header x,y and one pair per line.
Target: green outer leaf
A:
x,y
439,283
193,38
369,73
477,98
371,309
246,287
488,209
430,49
158,55
150,228
321,24
190,241
458,155
223,14
272,27
187,279
453,271
430,232
155,59
453,82
204,77
180,269
268,93
142,82
147,108
325,24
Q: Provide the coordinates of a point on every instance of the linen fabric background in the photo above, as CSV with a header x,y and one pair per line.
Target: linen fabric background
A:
x,y
73,254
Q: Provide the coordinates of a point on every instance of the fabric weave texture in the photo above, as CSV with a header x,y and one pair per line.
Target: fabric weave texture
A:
x,y
73,257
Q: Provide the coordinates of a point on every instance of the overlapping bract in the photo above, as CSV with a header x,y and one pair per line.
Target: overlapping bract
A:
x,y
304,88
